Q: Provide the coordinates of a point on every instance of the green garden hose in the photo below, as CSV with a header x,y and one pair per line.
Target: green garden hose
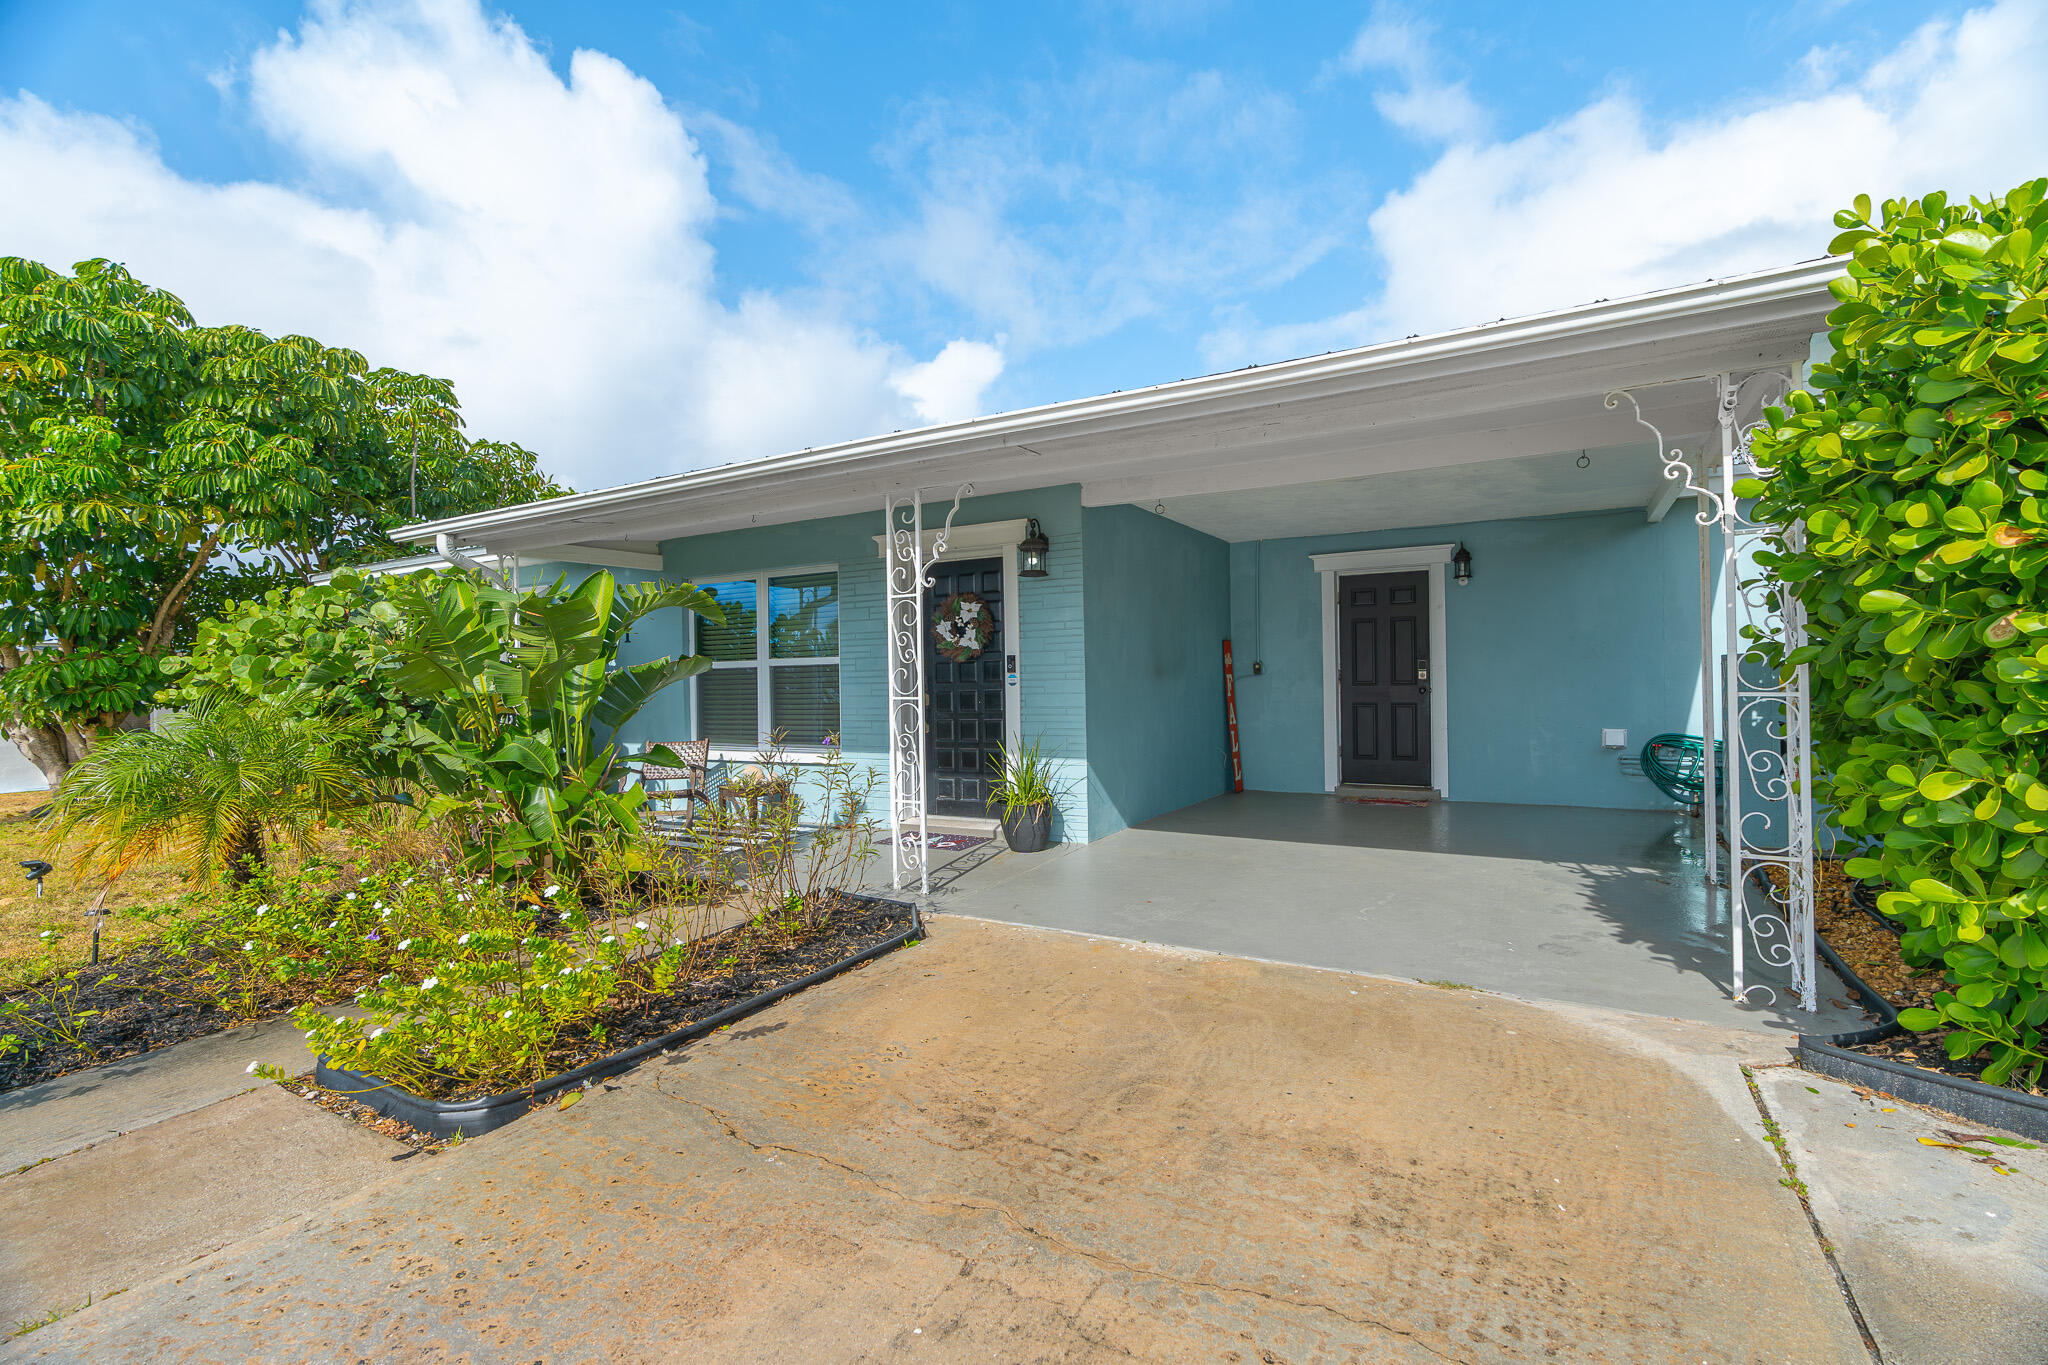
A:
x,y
1677,764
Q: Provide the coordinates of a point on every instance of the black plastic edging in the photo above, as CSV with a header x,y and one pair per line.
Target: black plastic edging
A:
x,y
1991,1105
1886,1012
473,1118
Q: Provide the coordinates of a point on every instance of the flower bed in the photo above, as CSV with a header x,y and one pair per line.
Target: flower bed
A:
x,y
624,1036
91,1016
1915,1066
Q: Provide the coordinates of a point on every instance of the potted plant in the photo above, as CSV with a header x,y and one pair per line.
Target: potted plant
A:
x,y
1024,786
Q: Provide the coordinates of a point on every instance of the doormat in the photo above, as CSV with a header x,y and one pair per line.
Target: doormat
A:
x,y
1380,801
950,842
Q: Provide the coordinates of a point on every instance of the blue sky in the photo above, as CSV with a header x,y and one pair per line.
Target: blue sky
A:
x,y
645,238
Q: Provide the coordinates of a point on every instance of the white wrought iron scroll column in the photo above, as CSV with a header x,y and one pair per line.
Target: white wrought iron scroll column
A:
x,y
1708,517
907,574
1766,728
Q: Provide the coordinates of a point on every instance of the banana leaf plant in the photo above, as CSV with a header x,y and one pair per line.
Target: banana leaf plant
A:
x,y
523,699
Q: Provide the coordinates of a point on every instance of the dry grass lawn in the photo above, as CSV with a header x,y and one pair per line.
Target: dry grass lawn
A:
x,y
24,954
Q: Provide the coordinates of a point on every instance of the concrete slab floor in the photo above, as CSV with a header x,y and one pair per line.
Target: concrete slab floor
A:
x,y
1947,1256
1597,907
126,1211
1006,1144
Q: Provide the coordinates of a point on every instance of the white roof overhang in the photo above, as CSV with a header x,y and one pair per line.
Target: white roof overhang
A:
x,y
1507,390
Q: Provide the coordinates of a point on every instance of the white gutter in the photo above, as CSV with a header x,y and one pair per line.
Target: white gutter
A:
x,y
1235,388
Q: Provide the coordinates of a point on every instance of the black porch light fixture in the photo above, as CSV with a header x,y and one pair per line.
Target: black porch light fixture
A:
x,y
1461,566
1031,551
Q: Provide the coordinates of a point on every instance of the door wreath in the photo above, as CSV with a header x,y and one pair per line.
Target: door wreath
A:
x,y
962,626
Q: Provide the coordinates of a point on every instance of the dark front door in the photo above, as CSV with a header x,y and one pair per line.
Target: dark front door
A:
x,y
964,706
1383,678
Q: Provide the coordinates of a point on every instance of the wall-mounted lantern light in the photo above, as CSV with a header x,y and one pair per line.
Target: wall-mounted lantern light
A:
x,y
1461,566
1031,551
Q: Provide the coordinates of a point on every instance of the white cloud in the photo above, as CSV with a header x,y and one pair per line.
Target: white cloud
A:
x,y
1115,195
1427,105
948,387
469,212
1603,203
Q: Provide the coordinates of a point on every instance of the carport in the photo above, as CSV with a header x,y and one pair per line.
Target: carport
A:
x,y
1594,907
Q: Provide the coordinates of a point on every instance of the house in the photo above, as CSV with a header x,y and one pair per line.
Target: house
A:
x,y
1451,564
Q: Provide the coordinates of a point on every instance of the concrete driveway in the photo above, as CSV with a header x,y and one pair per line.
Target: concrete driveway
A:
x,y
1011,1144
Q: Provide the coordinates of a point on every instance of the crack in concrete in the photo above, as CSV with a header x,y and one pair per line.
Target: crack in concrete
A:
x,y
1054,1240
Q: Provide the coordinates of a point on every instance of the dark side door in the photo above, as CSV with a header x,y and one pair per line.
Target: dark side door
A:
x,y
964,700
1383,678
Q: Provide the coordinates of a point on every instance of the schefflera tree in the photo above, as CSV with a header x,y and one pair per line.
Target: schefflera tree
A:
x,y
1917,466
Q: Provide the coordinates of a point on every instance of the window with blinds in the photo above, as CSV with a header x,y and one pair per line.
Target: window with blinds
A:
x,y
782,678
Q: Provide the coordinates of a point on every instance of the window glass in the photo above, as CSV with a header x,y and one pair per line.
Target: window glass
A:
x,y
804,699
728,705
803,616
732,642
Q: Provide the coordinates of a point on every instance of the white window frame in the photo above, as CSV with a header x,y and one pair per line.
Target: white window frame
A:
x,y
764,717
1430,559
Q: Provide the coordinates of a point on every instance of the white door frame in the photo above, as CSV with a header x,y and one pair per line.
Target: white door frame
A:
x,y
1430,559
989,540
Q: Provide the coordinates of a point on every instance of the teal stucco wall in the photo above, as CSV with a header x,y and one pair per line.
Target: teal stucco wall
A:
x,y
1570,624
1050,688
1156,603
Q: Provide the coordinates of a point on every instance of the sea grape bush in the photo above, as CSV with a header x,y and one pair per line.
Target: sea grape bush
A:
x,y
1917,470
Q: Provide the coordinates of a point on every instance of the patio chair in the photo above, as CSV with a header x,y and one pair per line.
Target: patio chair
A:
x,y
685,786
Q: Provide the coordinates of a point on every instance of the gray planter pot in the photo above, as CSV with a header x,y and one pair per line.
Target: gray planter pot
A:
x,y
1028,828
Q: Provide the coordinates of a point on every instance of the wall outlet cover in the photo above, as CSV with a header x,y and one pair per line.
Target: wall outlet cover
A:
x,y
1614,739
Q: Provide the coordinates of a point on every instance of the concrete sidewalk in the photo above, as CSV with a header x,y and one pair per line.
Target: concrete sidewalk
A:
x,y
42,1122
1012,1144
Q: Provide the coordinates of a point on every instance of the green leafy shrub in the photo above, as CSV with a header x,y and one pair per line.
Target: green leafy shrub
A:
x,y
518,698
1917,468
309,651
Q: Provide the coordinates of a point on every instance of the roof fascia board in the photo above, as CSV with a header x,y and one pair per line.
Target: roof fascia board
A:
x,y
1694,311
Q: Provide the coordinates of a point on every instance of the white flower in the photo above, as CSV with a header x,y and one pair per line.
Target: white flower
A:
x,y
430,983
639,924
679,943
565,971
550,892
351,896
403,944
609,938
506,1015
406,882
46,933
376,905
385,915
250,1069
262,910
361,880
464,939
376,1033
249,946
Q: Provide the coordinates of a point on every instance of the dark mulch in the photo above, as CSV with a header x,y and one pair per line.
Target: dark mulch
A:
x,y
746,963
141,1005
1871,948
355,1111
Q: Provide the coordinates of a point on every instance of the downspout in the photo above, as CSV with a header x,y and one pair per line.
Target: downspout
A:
x,y
444,545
